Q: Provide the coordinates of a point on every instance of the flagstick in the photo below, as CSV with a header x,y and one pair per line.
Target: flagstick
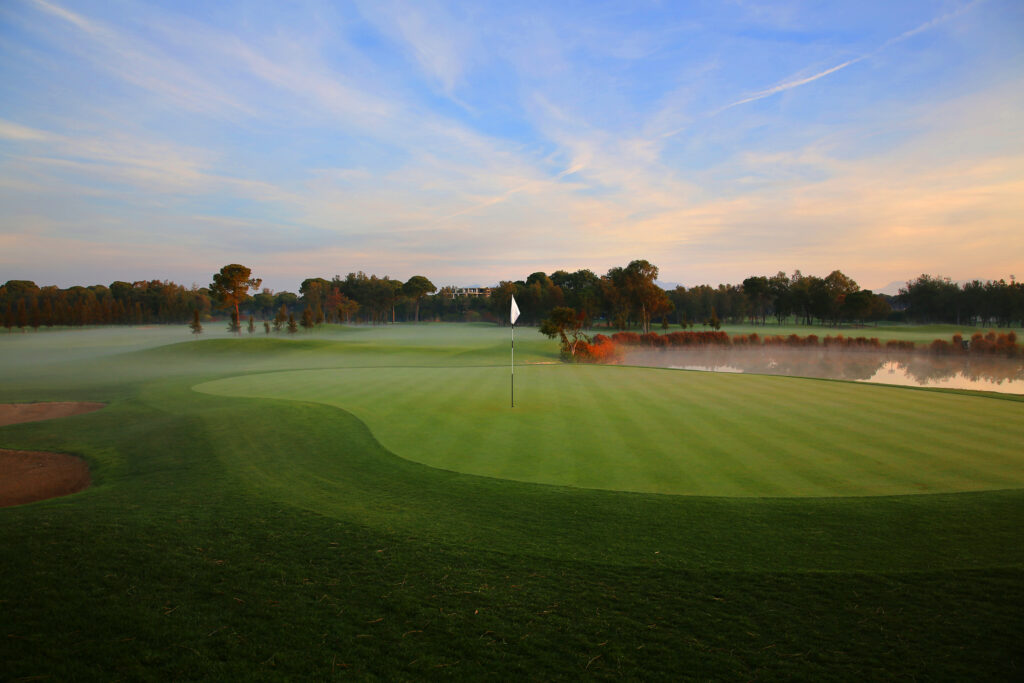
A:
x,y
513,366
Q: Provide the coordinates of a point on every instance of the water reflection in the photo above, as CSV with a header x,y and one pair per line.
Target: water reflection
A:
x,y
980,373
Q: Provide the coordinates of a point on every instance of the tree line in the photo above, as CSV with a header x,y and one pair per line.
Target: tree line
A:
x,y
624,297
931,299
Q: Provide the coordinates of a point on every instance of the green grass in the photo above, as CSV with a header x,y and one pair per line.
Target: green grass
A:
x,y
659,431
230,537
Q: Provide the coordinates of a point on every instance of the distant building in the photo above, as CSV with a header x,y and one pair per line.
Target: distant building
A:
x,y
455,292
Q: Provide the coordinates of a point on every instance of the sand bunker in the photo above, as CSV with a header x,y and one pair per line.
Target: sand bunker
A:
x,y
28,476
12,413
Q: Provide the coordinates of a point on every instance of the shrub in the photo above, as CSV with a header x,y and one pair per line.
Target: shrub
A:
x,y
653,339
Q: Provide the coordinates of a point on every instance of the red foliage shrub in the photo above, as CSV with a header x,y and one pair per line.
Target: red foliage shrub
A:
x,y
754,339
602,350
981,344
653,339
940,346
812,340
626,338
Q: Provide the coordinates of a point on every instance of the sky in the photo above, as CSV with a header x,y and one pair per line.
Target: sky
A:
x,y
474,142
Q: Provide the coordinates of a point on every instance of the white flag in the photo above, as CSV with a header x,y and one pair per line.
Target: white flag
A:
x,y
515,311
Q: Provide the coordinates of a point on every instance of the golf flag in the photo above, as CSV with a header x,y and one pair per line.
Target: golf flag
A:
x,y
513,314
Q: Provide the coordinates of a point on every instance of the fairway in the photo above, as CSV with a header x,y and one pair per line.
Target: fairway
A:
x,y
271,508
665,431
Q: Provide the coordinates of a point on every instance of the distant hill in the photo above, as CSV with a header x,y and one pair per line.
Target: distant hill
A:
x,y
893,288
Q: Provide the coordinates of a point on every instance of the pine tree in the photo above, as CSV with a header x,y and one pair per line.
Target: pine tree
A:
x,y
307,319
713,321
234,325
280,318
197,327
292,327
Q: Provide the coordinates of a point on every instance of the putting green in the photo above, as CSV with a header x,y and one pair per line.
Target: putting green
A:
x,y
664,431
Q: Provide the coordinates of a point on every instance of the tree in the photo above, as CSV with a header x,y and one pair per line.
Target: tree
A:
x,y
234,325
416,288
713,322
315,292
782,300
196,325
230,287
646,297
501,300
758,293
252,325
838,286
566,324
307,319
292,326
280,318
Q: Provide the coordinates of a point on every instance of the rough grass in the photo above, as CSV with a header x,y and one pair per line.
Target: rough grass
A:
x,y
266,539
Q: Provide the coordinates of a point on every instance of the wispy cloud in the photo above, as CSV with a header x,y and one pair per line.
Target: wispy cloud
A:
x,y
789,85
801,81
139,62
15,131
315,142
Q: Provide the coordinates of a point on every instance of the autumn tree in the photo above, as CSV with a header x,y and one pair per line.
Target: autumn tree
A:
x,y
635,284
566,324
196,325
837,287
230,287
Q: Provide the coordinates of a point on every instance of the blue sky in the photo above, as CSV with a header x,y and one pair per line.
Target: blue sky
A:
x,y
474,142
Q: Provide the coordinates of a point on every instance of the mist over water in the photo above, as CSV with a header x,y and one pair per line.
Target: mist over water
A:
x,y
975,372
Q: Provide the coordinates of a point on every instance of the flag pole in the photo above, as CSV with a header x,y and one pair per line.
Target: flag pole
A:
x,y
513,314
